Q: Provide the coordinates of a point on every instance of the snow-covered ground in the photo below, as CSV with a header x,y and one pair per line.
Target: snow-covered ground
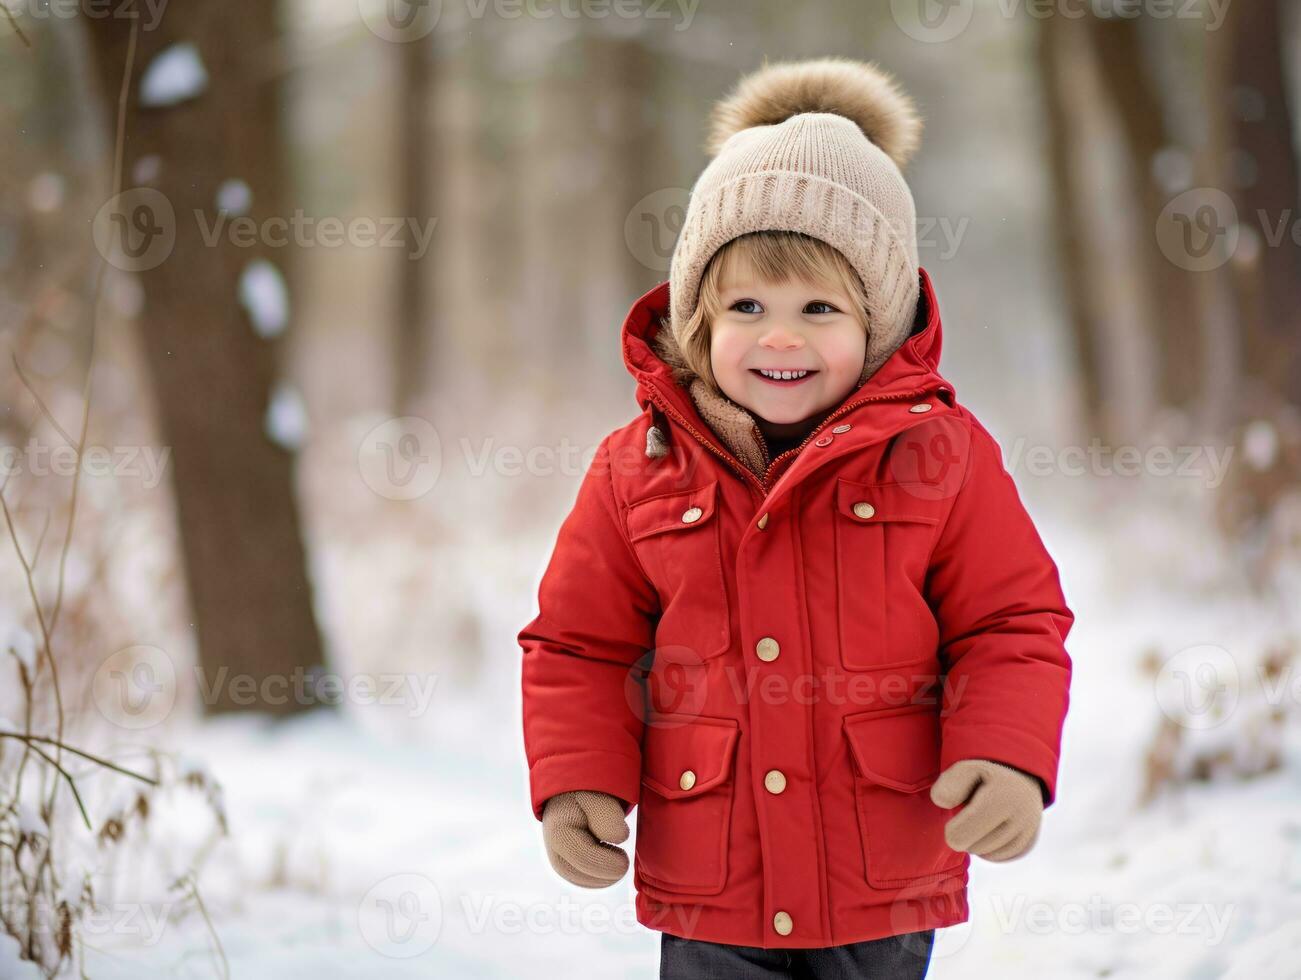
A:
x,y
357,850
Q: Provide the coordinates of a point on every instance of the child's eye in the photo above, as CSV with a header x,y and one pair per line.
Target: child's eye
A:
x,y
745,302
829,308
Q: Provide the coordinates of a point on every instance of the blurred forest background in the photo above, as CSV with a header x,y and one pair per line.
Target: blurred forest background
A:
x,y
311,314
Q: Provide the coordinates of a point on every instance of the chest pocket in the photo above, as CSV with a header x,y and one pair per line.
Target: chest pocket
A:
x,y
677,539
884,533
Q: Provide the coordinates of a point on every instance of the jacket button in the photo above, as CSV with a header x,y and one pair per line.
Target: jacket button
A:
x,y
822,441
843,427
763,521
775,781
919,408
863,509
691,515
782,924
767,649
688,780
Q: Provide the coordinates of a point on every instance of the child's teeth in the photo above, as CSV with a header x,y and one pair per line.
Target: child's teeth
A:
x,y
783,375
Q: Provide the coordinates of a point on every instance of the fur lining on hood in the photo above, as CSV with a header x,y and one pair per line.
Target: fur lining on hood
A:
x,y
730,422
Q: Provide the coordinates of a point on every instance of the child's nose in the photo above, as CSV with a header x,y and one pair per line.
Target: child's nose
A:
x,y
781,338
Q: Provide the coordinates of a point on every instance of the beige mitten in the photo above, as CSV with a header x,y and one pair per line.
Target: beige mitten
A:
x,y
1001,819
574,827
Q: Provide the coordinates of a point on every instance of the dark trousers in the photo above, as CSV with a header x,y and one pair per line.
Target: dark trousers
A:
x,y
904,957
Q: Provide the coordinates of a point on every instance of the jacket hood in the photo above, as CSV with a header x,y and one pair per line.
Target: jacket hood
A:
x,y
665,382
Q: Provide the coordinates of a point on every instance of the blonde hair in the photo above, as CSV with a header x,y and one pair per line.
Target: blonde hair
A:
x,y
776,256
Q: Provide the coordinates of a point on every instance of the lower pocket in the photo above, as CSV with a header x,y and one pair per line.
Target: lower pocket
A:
x,y
685,810
896,755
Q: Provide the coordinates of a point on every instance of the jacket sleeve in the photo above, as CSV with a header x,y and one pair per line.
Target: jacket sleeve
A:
x,y
596,620
1003,622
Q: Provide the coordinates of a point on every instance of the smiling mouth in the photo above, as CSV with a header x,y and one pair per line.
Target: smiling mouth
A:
x,y
783,379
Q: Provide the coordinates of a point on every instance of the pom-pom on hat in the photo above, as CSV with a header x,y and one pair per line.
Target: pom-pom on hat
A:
x,y
815,147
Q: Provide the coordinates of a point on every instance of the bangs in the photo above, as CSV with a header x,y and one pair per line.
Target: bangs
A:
x,y
781,256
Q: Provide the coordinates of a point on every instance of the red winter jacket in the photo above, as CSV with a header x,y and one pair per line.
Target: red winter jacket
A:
x,y
776,671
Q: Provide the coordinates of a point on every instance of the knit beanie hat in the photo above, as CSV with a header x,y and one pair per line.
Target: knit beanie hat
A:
x,y
814,147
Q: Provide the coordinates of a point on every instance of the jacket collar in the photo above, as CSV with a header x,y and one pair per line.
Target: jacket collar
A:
x,y
664,381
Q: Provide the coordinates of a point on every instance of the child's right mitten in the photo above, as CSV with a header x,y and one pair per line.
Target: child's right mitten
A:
x,y
575,826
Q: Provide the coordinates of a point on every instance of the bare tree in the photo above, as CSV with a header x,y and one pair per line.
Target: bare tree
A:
x,y
212,371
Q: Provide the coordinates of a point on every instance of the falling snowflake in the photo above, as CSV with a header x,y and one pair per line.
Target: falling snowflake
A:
x,y
234,197
263,293
286,418
175,75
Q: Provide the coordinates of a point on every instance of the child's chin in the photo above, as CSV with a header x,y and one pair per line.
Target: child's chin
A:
x,y
793,404
788,413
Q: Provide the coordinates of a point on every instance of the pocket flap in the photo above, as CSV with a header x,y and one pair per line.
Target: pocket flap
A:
x,y
678,511
869,503
896,747
687,755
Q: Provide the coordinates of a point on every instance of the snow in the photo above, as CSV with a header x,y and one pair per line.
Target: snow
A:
x,y
234,197
1260,444
265,297
46,192
338,830
12,965
189,766
19,642
387,843
1276,954
30,820
147,169
286,418
175,75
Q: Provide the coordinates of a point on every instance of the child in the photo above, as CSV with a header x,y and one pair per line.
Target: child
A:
x,y
798,614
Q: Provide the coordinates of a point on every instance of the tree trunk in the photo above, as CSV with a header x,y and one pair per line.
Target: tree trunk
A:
x,y
415,181
1167,291
212,372
1073,257
1267,195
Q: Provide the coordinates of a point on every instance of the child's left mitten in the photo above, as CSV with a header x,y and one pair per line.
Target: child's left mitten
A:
x,y
575,827
1004,807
